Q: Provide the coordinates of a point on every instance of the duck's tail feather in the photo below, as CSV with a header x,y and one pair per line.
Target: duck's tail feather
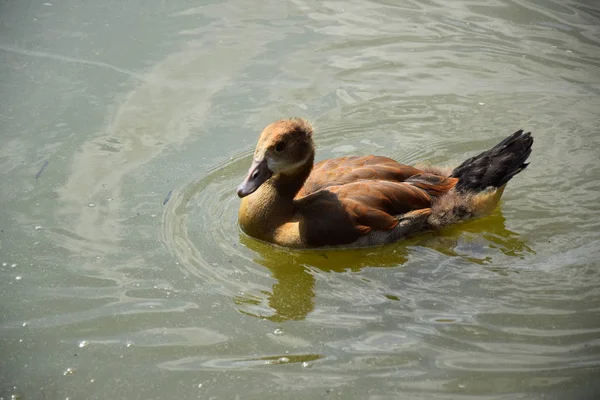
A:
x,y
495,167
481,181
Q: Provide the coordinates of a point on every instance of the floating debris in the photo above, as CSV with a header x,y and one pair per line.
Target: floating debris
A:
x,y
166,200
46,162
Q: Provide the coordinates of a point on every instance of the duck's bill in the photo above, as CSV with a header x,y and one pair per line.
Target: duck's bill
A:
x,y
259,172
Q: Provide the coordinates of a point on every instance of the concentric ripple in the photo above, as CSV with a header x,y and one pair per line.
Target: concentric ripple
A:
x,y
199,227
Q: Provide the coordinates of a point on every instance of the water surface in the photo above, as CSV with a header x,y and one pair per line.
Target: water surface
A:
x,y
125,127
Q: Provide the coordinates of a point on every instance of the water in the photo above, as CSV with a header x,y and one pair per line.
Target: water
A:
x,y
125,127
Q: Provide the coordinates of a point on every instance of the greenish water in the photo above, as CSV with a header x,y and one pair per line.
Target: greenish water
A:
x,y
126,126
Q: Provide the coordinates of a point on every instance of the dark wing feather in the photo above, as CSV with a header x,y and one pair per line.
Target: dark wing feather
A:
x,y
495,167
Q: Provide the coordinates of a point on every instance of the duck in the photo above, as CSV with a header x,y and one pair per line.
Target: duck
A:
x,y
364,201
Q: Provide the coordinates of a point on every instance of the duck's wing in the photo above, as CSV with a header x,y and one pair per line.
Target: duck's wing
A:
x,y
342,214
341,171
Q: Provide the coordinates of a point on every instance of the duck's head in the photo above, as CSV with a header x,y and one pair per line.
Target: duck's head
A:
x,y
284,147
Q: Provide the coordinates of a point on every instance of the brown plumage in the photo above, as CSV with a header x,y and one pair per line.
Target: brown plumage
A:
x,y
363,201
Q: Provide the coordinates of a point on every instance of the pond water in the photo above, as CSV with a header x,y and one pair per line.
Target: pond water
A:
x,y
126,126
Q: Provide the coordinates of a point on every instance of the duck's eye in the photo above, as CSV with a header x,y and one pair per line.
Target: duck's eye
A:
x,y
280,146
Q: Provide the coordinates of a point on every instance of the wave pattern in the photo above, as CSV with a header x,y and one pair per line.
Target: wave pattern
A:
x,y
125,257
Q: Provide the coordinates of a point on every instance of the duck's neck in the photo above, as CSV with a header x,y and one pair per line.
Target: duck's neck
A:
x,y
272,205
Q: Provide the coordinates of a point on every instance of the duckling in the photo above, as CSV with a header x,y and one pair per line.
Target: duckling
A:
x,y
362,201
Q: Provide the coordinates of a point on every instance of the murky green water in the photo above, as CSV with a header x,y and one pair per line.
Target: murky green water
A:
x,y
125,127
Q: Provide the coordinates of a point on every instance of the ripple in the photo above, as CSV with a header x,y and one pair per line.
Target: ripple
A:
x,y
200,228
229,363
504,307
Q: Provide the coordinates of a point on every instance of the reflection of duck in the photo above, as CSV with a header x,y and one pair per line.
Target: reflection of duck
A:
x,y
363,201
292,297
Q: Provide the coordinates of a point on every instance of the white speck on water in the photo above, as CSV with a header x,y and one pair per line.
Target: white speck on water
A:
x,y
284,360
18,277
481,103
83,343
92,205
129,345
92,380
69,371
25,324
305,364
199,385
13,265
110,199
278,332
38,227
4,264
